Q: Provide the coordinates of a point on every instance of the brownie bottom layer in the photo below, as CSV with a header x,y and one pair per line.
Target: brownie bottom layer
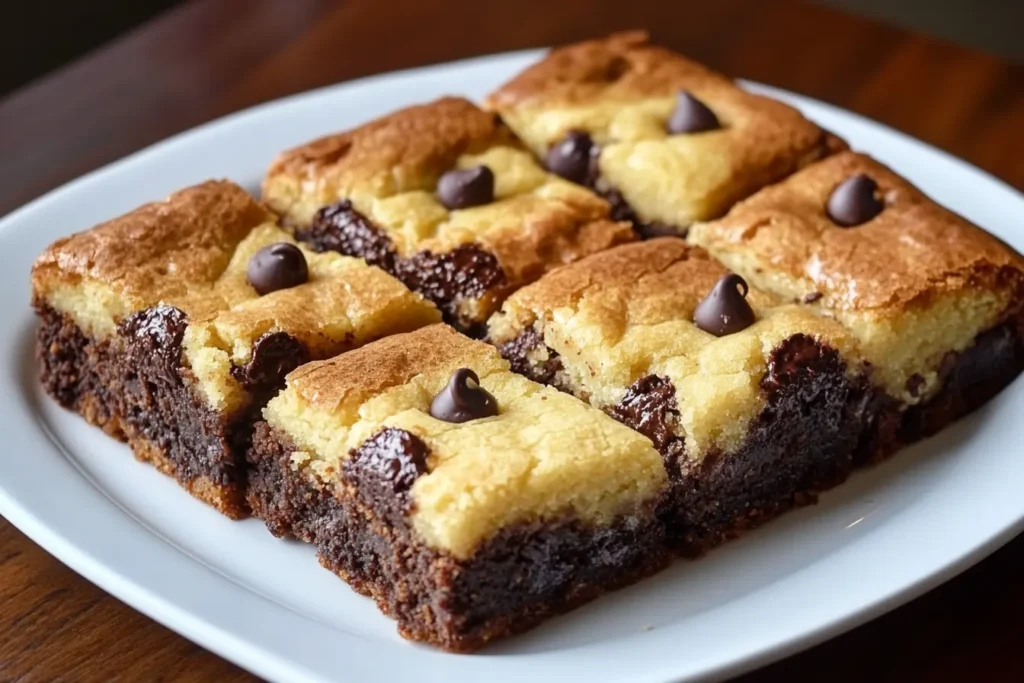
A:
x,y
135,393
969,380
516,580
77,371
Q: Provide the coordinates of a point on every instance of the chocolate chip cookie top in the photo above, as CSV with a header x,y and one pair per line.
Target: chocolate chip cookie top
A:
x,y
909,251
404,151
157,252
643,107
520,466
914,281
627,313
400,171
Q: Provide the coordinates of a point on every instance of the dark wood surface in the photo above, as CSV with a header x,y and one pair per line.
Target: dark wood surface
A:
x,y
212,57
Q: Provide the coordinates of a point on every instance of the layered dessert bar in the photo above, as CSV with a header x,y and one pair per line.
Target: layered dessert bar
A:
x,y
934,302
172,325
754,403
468,501
666,140
444,197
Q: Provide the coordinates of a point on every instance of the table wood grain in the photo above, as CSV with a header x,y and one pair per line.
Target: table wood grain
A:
x,y
212,57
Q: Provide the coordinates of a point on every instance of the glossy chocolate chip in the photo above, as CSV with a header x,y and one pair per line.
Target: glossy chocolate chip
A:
x,y
691,116
854,201
278,266
725,310
573,158
466,187
274,355
463,399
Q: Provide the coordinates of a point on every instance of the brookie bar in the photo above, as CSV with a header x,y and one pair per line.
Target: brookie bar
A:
x,y
468,501
153,328
444,197
666,140
754,403
934,302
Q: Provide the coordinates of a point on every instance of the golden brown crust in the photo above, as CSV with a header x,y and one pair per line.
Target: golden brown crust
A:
x,y
159,250
389,169
621,66
621,91
353,377
913,251
664,273
403,151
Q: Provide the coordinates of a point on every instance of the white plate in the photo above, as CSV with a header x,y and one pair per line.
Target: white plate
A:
x,y
888,535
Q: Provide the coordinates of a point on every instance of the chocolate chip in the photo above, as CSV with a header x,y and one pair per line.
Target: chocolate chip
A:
x,y
278,266
387,464
812,297
156,333
466,187
691,116
573,158
854,202
725,310
274,355
463,399
340,227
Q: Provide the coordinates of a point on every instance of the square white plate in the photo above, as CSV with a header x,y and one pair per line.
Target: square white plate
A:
x,y
888,535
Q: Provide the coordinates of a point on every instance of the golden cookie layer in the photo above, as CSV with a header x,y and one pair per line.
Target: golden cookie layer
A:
x,y
912,284
544,455
191,252
389,170
621,91
627,313
163,251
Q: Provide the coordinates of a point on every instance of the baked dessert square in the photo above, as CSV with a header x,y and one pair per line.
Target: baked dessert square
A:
x,y
444,197
754,403
171,326
667,140
934,302
468,501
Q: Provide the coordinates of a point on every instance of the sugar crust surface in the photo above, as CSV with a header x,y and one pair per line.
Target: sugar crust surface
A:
x,y
546,454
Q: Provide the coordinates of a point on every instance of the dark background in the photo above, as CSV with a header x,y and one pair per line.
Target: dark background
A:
x,y
41,35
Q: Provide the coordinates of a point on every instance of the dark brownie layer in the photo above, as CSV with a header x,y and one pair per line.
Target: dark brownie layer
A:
x,y
134,387
970,379
198,446
76,370
517,579
467,272
803,441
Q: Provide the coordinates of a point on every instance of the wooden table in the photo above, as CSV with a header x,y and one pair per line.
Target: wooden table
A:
x,y
212,57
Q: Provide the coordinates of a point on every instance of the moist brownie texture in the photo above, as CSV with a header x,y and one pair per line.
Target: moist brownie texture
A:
x,y
749,422
918,286
444,197
670,141
151,330
463,527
